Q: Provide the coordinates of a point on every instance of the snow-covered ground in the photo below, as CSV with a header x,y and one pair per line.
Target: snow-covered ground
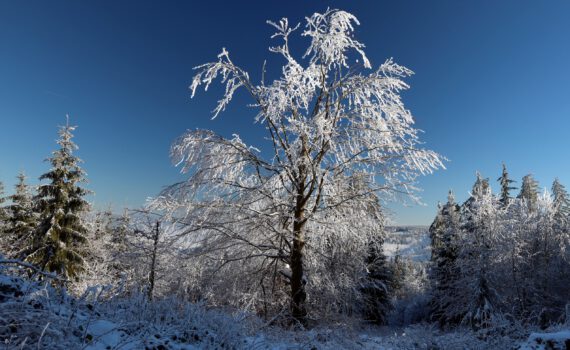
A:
x,y
34,315
545,341
409,241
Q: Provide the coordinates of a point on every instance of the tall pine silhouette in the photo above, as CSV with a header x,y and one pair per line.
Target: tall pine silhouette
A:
x,y
506,187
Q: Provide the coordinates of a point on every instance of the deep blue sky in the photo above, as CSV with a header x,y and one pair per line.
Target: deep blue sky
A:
x,y
492,84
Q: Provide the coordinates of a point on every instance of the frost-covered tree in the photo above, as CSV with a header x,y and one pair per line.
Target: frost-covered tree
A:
x,y
4,235
328,118
511,260
23,218
119,255
477,298
3,213
56,243
121,231
561,202
436,229
480,189
540,262
529,192
97,253
462,259
377,287
152,256
445,234
506,187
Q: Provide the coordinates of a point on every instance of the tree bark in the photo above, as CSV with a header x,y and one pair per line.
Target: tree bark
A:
x,y
298,294
151,276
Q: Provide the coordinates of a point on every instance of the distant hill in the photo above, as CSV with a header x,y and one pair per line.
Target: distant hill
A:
x,y
409,241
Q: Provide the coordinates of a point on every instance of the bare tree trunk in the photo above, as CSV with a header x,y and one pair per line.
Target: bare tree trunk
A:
x,y
151,277
298,294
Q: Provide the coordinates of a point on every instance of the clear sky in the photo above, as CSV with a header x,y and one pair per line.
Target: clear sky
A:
x,y
492,84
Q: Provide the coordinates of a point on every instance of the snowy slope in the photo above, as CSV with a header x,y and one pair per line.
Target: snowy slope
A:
x,y
408,241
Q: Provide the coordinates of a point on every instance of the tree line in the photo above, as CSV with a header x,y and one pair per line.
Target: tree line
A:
x,y
498,258
296,234
44,225
51,228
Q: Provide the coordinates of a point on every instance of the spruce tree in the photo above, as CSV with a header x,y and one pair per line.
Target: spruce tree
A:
x,y
4,239
118,245
23,218
121,231
561,201
506,187
3,215
56,243
529,192
480,189
377,290
377,285
436,230
444,270
477,299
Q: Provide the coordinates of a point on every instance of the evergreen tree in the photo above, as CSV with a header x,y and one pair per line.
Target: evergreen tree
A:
x,y
121,231
444,270
436,230
477,299
505,186
3,218
119,260
56,243
480,189
377,290
3,215
561,202
102,225
116,231
23,219
529,192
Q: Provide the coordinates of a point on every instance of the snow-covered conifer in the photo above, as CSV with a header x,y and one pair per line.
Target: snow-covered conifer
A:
x,y
561,202
480,189
378,286
445,231
436,230
4,236
57,241
506,187
477,300
23,218
3,214
529,192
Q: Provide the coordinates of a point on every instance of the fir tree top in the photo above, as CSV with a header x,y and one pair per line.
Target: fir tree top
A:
x,y
23,196
506,187
58,239
22,207
529,191
561,199
23,218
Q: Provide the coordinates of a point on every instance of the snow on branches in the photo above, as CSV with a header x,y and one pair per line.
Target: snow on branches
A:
x,y
338,133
